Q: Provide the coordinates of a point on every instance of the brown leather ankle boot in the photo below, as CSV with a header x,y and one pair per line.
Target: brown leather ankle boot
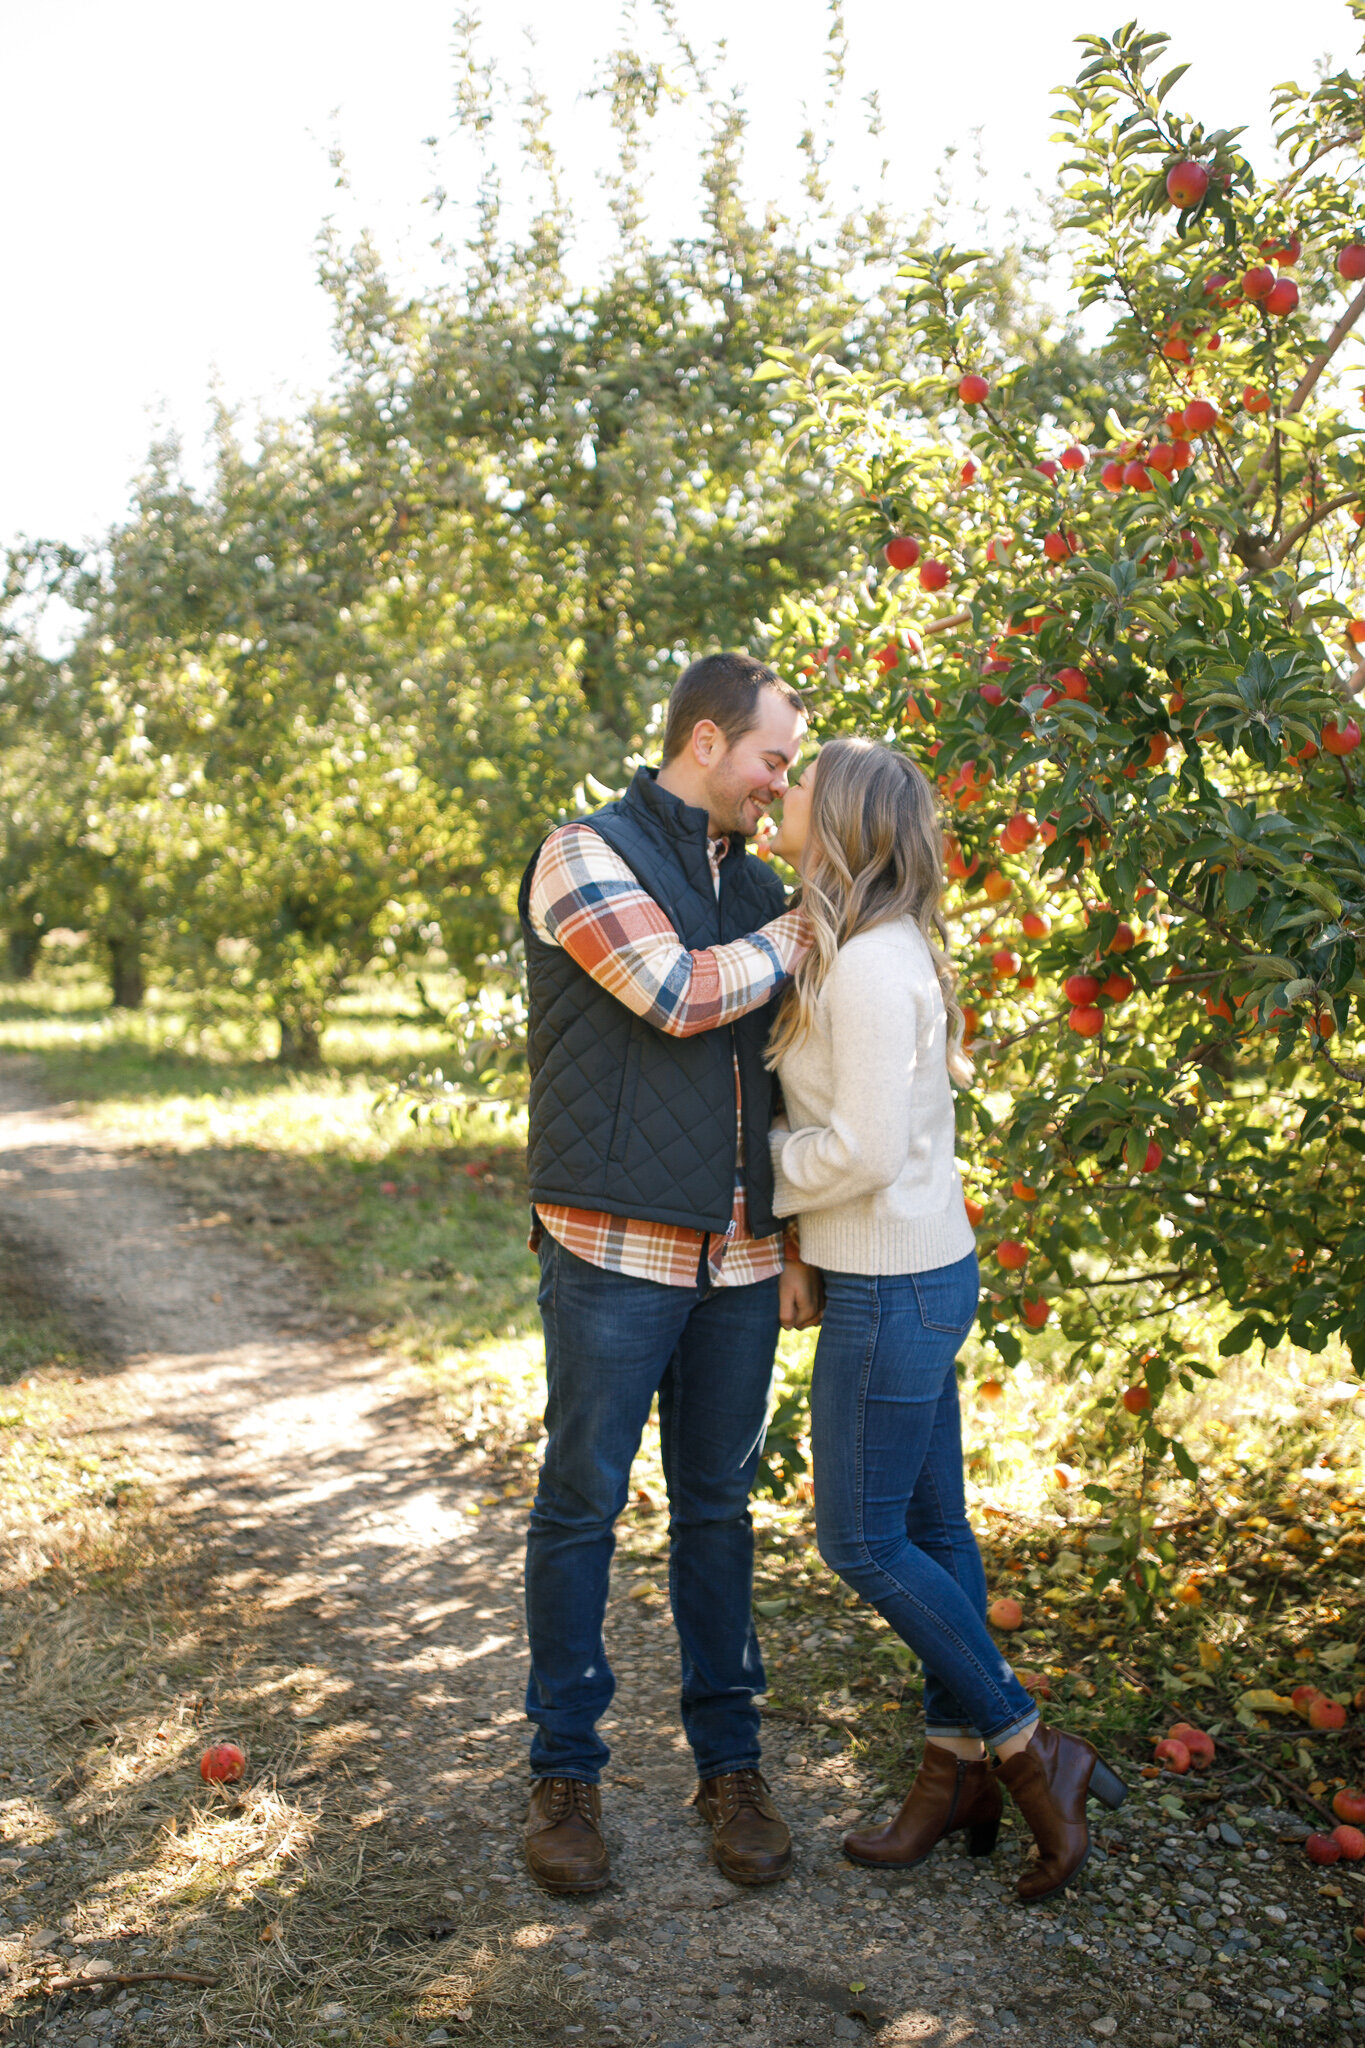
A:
x,y
1050,1782
948,1793
563,1837
750,1841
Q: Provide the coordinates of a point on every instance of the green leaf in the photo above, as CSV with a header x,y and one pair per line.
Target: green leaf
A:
x,y
1184,1463
1240,1336
1008,1345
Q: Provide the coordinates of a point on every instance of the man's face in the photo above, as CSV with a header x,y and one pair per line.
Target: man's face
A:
x,y
744,778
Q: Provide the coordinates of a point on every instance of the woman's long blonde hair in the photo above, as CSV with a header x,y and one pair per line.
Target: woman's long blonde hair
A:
x,y
874,852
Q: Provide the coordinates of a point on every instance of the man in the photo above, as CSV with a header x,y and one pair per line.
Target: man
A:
x,y
655,945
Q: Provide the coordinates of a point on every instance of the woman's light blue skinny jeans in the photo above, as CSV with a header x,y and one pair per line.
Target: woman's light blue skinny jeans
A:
x,y
891,1517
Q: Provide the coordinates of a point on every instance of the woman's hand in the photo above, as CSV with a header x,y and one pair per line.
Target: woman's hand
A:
x,y
801,1295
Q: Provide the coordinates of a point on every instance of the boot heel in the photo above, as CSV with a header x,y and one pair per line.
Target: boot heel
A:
x,y
981,1837
1106,1785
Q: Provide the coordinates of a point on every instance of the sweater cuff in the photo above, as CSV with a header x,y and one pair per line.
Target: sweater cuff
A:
x,y
786,1201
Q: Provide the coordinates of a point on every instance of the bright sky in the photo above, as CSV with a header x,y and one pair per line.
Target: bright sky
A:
x,y
167,172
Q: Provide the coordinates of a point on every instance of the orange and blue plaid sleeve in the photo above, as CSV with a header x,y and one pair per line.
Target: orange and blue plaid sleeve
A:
x,y
585,898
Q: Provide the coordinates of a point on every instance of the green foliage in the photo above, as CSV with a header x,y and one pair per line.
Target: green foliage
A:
x,y
1141,677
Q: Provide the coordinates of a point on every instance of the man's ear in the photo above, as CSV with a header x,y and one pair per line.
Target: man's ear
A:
x,y
708,742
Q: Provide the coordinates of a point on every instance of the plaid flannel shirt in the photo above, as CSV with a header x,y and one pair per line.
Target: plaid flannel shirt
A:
x,y
586,899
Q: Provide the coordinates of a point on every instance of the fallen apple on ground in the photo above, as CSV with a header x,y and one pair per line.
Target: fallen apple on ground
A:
x,y
1201,1747
222,1764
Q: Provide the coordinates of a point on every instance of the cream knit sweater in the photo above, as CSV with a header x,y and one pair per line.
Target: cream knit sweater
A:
x,y
867,1161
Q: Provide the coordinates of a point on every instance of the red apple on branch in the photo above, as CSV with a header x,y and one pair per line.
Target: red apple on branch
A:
x,y
902,552
1186,184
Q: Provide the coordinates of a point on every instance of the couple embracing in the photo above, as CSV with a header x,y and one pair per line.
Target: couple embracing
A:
x,y
707,1062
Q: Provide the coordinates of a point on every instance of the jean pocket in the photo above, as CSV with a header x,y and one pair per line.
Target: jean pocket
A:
x,y
547,1291
948,1296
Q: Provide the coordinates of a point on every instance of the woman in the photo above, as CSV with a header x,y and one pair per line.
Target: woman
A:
x,y
865,1043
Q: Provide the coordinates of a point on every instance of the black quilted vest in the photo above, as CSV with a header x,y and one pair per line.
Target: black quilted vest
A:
x,y
624,1118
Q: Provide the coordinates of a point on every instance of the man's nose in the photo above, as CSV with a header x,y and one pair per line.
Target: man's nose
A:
x,y
778,781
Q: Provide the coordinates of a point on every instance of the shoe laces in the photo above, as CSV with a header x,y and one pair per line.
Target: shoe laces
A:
x,y
743,1788
571,1795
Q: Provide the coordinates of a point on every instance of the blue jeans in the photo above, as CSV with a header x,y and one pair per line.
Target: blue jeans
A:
x,y
611,1343
891,1517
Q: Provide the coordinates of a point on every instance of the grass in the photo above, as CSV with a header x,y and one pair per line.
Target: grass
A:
x,y
418,1237
397,1228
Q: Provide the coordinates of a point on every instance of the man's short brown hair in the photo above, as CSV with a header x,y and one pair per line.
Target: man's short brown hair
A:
x,y
724,688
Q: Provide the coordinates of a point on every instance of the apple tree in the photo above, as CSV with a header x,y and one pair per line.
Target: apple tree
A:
x,y
1127,648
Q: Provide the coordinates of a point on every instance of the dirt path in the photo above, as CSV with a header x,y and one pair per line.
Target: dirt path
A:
x,y
352,1608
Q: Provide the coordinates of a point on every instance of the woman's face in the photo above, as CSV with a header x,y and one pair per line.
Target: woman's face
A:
x,y
790,838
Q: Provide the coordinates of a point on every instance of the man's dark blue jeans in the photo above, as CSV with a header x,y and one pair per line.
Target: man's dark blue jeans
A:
x,y
611,1343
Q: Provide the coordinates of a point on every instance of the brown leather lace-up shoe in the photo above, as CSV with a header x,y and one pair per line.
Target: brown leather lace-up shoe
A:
x,y
948,1793
1050,1782
564,1847
749,1838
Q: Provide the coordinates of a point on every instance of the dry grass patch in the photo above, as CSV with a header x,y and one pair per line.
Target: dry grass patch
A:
x,y
320,1906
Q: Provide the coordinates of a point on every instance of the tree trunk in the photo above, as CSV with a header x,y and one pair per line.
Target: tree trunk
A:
x,y
23,951
125,972
300,1040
